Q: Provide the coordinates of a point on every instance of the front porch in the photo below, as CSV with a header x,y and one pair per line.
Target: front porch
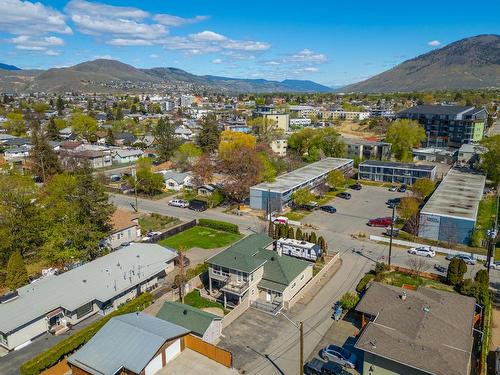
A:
x,y
269,301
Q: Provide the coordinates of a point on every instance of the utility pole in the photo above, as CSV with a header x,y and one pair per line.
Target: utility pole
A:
x,y
392,229
301,330
181,281
134,175
492,235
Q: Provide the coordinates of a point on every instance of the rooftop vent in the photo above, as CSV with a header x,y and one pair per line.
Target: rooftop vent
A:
x,y
9,296
185,312
426,309
84,281
403,296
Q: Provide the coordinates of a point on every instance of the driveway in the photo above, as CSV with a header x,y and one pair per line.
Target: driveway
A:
x,y
190,362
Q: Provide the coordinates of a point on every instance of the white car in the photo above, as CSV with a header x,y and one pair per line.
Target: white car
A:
x,y
494,265
423,251
393,188
178,203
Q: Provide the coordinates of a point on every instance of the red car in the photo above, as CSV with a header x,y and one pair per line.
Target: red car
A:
x,y
380,222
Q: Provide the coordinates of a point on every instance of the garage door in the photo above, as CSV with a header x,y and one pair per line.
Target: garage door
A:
x,y
173,350
154,365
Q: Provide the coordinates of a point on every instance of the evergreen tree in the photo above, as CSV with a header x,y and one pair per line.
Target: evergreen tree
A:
x,y
59,105
45,162
312,237
209,135
482,277
165,138
270,229
52,130
110,137
322,243
456,271
290,233
298,234
17,274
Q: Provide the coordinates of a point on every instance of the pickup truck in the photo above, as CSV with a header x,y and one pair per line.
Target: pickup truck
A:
x,y
318,367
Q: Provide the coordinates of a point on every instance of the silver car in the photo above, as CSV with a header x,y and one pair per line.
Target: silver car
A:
x,y
467,258
339,355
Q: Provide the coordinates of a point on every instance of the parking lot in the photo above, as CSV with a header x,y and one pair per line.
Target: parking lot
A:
x,y
353,214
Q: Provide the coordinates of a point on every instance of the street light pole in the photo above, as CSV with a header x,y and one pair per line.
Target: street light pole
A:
x,y
392,230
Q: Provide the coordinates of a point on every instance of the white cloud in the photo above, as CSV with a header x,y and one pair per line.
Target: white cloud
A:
x,y
175,21
246,45
105,57
37,44
99,19
434,43
129,42
216,61
306,55
207,36
272,62
27,18
104,10
311,69
154,56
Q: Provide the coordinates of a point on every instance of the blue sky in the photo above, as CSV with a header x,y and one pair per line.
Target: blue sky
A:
x,y
330,42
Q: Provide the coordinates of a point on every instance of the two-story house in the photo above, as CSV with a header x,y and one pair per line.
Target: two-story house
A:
x,y
251,272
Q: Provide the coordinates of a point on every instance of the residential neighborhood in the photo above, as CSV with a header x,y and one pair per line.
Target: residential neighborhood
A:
x,y
188,189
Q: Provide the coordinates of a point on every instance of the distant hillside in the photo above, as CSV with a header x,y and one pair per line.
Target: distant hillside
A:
x,y
113,76
8,67
469,63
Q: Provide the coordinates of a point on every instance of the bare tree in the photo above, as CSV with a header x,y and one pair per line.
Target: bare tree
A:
x,y
418,265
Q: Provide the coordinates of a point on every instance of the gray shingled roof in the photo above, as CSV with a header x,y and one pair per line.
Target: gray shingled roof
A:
x,y
128,341
431,330
450,110
100,280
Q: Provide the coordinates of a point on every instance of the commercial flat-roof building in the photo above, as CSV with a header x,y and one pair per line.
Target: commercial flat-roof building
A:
x,y
54,302
278,194
416,332
449,125
451,212
403,173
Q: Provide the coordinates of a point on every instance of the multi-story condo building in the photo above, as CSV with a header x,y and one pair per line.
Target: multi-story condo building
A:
x,y
448,125
403,173
270,113
366,149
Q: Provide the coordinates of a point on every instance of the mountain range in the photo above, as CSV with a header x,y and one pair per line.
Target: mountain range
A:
x,y
470,63
103,75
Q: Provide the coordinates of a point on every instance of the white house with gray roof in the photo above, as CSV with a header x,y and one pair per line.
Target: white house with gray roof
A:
x,y
55,302
177,180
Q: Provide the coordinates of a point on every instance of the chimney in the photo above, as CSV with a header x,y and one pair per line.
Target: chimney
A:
x,y
403,296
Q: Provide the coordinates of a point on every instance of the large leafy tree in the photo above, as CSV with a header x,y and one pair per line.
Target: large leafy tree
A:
x,y
83,125
490,160
17,274
186,155
456,271
302,196
404,135
265,129
165,139
208,137
230,141
20,215
335,178
77,212
15,124
312,144
145,180
423,187
242,167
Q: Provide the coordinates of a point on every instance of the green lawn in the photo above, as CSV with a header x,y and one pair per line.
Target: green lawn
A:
x,y
296,215
397,278
194,299
206,238
156,222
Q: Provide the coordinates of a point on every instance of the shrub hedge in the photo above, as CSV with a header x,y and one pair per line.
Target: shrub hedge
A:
x,y
50,357
360,288
219,225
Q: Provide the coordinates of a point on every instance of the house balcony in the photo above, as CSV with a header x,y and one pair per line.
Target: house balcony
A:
x,y
235,286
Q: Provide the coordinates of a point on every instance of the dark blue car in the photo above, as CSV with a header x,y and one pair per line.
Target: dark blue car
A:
x,y
329,209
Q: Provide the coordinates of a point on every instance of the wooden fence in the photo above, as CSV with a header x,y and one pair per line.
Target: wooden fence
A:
x,y
213,352
172,231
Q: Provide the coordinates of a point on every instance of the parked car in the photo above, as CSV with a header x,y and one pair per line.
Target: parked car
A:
x,y
178,203
395,232
344,195
424,251
309,206
115,178
393,202
177,261
402,188
494,266
393,188
339,355
280,220
467,258
197,205
356,186
380,222
318,367
150,235
329,209
439,268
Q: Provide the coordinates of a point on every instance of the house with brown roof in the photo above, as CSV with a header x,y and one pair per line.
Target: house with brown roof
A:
x,y
416,332
125,228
